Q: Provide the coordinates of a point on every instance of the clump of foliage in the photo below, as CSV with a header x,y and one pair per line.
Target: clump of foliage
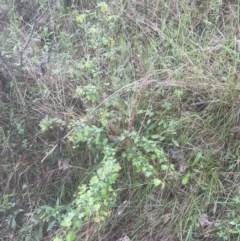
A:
x,y
95,199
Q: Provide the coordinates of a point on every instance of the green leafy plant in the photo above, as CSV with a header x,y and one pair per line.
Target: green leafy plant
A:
x,y
93,201
88,93
143,153
49,123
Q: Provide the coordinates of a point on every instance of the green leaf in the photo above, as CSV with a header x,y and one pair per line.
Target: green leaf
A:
x,y
156,136
58,239
236,199
103,6
78,224
197,158
164,167
186,178
67,222
97,206
178,92
94,180
80,18
167,106
175,143
156,182
13,223
50,225
71,236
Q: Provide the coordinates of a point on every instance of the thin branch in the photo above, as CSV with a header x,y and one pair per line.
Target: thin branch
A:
x,y
7,69
31,33
13,78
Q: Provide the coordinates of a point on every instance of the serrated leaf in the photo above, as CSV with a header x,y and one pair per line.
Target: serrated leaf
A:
x,y
78,224
80,18
164,167
103,6
97,206
71,236
66,222
156,182
94,180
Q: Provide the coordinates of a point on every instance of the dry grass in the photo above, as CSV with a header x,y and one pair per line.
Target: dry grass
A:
x,y
179,61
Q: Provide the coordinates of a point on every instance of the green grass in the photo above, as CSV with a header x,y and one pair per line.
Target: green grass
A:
x,y
144,78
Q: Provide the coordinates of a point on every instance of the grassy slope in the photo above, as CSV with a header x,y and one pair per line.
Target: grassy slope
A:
x,y
166,69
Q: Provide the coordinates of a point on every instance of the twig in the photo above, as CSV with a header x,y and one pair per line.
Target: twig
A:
x,y
13,78
31,33
7,69
142,90
41,67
